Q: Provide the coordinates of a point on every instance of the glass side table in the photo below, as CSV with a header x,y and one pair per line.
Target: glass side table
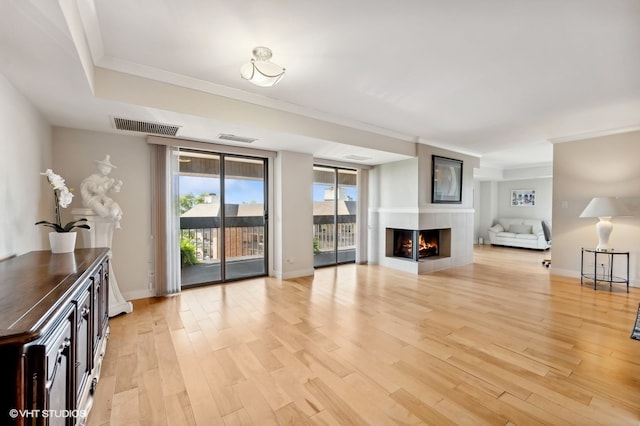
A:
x,y
606,274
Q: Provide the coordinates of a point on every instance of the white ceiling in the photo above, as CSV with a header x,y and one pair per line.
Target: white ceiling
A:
x,y
499,79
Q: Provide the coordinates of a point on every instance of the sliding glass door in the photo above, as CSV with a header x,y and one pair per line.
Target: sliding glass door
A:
x,y
244,217
334,215
222,217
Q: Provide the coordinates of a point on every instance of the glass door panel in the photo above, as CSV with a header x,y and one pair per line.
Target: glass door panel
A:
x,y
346,215
200,242
219,244
334,215
324,212
244,219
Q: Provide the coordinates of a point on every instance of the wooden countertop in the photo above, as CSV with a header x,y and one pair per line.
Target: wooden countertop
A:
x,y
35,285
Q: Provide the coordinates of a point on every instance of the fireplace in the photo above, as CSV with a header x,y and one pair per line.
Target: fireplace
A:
x,y
415,244
418,244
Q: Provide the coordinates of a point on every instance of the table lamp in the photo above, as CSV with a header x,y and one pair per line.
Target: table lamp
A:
x,y
604,208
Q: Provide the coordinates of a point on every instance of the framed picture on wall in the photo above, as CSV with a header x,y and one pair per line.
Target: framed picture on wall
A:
x,y
523,197
446,180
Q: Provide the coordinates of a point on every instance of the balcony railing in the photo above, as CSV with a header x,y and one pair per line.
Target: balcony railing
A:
x,y
324,235
245,236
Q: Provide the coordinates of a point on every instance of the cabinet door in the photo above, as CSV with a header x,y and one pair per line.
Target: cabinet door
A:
x,y
52,371
84,340
104,300
96,309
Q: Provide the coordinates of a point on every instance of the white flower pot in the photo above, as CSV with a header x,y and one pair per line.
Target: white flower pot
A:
x,y
62,242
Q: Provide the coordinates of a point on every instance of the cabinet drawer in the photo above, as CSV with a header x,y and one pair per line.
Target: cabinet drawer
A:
x,y
58,347
52,366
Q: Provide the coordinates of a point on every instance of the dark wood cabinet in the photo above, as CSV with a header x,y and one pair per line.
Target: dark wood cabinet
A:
x,y
54,326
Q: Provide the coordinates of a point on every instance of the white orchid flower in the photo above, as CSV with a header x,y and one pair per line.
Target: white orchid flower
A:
x,y
56,181
64,198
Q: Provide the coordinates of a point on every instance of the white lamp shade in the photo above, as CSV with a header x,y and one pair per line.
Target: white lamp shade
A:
x,y
604,207
262,73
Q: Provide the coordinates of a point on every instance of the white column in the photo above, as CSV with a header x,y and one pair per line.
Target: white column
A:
x,y
100,235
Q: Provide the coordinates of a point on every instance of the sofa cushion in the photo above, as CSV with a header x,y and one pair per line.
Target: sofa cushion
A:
x,y
519,228
536,226
526,236
506,235
505,222
496,228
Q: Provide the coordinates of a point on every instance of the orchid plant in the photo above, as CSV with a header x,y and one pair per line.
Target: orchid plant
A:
x,y
63,197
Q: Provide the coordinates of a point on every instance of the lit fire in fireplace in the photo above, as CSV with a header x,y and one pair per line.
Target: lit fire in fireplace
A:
x,y
427,244
426,249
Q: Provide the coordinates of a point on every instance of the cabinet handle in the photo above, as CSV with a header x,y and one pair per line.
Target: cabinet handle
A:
x,y
85,312
62,349
64,346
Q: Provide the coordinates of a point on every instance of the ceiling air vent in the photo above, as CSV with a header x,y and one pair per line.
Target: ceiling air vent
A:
x,y
234,138
145,127
356,158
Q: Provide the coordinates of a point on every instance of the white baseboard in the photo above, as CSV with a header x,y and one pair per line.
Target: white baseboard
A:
x,y
564,272
138,294
294,274
576,274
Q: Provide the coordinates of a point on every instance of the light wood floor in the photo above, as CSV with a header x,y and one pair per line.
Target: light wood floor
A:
x,y
501,341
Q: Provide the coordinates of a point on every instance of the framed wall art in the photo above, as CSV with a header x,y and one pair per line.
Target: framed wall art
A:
x,y
446,180
523,197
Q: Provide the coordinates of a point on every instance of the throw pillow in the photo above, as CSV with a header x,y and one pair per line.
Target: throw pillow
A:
x,y
518,228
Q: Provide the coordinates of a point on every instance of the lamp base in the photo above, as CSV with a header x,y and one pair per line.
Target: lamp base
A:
x,y
604,228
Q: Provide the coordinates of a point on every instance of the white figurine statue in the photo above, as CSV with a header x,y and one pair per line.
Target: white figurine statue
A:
x,y
103,215
95,188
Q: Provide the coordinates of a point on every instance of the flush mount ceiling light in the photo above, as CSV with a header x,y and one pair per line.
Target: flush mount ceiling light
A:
x,y
260,71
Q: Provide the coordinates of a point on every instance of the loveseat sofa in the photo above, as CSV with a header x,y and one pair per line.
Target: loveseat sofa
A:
x,y
519,232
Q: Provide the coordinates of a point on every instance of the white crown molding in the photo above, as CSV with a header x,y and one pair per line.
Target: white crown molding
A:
x,y
421,210
595,134
448,147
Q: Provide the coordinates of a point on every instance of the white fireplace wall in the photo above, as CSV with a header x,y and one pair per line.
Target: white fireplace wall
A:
x,y
401,198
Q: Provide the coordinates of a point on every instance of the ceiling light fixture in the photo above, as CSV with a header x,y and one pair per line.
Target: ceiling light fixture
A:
x,y
260,71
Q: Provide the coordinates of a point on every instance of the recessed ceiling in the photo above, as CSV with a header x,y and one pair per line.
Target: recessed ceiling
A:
x,y
495,78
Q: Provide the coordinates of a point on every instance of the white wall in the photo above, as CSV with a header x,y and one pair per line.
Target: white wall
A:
x,y
544,199
74,153
293,253
603,166
25,196
398,186
486,205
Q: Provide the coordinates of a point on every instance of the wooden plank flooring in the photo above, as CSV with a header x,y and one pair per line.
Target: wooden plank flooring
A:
x,y
502,341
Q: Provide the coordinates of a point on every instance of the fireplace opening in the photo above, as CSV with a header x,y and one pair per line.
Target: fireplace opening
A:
x,y
416,244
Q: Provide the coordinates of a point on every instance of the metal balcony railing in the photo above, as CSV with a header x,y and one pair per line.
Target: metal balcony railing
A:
x,y
245,236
